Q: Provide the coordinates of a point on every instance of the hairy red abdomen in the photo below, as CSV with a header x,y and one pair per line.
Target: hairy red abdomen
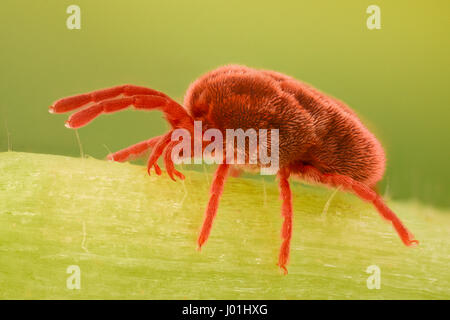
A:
x,y
314,128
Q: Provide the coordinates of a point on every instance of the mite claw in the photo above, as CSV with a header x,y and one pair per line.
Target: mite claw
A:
x,y
157,169
284,269
177,173
67,125
180,175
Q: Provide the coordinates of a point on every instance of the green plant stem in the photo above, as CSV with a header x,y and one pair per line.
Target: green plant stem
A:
x,y
134,236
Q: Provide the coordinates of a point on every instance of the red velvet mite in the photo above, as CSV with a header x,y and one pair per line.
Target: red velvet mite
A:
x,y
321,139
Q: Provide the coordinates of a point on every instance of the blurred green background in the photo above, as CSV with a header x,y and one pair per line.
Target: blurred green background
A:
x,y
396,78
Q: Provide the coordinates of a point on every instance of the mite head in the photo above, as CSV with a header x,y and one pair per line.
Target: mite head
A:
x,y
197,104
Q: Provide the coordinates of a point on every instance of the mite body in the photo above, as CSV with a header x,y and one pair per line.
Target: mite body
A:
x,y
321,139
314,128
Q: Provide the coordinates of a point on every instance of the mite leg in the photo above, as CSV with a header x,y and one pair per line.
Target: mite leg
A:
x,y
170,168
174,113
143,146
286,213
211,210
134,151
157,152
80,100
365,193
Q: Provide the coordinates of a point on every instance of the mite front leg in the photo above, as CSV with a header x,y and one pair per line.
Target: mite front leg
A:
x,y
213,204
175,114
80,100
286,213
118,98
